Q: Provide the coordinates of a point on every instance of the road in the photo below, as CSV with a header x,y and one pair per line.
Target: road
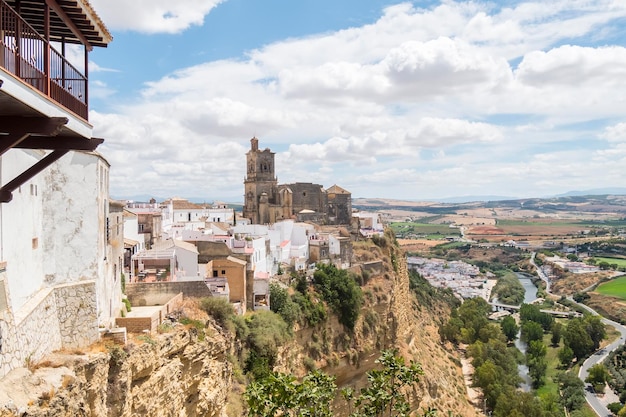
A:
x,y
541,274
598,357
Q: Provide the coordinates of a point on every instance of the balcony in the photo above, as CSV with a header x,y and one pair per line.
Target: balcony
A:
x,y
29,55
43,97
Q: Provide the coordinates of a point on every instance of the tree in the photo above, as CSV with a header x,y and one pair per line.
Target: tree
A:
x,y
283,305
598,376
473,312
557,330
381,397
531,331
523,404
536,361
572,390
282,395
577,338
530,312
566,356
509,328
595,329
340,291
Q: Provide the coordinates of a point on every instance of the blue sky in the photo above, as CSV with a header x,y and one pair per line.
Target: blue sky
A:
x,y
415,100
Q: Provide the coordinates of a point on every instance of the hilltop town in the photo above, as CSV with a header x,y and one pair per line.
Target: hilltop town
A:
x,y
166,307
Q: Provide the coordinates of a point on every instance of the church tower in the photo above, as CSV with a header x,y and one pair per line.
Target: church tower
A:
x,y
260,184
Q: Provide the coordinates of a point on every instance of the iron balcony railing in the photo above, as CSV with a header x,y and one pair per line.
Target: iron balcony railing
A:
x,y
30,57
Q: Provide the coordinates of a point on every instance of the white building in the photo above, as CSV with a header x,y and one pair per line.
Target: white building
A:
x,y
59,269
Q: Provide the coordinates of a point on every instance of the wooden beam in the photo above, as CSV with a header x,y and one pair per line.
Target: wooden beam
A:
x,y
6,192
68,143
69,22
11,141
20,125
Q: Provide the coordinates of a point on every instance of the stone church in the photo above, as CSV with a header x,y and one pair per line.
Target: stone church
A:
x,y
266,201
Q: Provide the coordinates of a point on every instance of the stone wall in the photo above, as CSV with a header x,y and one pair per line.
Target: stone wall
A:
x,y
10,353
54,318
77,313
37,326
159,293
150,322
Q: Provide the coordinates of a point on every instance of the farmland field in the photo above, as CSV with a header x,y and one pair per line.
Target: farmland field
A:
x,y
618,261
614,288
432,231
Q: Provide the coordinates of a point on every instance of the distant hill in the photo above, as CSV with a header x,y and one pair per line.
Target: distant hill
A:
x,y
598,203
144,198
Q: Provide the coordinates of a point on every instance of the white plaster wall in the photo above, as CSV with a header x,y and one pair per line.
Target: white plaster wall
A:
x,y
301,232
334,248
74,216
221,215
131,231
251,229
109,287
182,216
187,261
261,250
285,228
75,246
21,228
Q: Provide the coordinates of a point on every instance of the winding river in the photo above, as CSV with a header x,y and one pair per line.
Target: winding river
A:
x,y
530,295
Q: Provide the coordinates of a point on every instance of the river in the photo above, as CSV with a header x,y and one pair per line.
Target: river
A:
x,y
530,295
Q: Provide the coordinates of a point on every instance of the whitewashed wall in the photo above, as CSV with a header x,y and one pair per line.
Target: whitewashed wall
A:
x,y
21,228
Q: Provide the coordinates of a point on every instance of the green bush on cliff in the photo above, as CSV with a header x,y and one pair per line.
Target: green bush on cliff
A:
x,y
282,395
220,309
341,292
267,332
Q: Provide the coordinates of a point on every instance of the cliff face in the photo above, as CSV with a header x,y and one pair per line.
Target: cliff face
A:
x,y
391,317
177,374
417,336
173,374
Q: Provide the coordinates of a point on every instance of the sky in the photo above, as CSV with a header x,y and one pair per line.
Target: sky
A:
x,y
418,100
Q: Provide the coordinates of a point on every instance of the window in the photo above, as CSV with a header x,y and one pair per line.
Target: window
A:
x,y
223,272
214,274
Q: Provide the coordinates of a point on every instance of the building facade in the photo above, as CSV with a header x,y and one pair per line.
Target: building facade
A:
x,y
266,201
59,270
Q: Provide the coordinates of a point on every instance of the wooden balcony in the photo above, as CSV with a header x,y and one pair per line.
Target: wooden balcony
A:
x,y
29,56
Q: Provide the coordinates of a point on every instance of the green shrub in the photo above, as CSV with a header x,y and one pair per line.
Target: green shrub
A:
x,y
267,332
341,292
126,302
220,309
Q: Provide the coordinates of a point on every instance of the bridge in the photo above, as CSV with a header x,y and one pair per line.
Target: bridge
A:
x,y
513,309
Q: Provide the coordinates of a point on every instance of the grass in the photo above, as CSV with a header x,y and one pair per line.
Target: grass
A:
x,y
530,223
553,362
614,288
618,261
438,230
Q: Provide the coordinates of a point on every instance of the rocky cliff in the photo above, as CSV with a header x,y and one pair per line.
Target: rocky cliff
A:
x,y
183,373
173,374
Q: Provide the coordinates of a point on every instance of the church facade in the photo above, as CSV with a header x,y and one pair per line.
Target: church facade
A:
x,y
266,201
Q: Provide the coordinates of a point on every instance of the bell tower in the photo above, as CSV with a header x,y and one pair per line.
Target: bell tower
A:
x,y
260,179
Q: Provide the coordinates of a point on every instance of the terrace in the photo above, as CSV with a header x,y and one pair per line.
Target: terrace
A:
x,y
43,97
28,30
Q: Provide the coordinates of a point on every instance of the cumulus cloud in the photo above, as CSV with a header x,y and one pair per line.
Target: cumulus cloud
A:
x,y
615,133
153,16
419,102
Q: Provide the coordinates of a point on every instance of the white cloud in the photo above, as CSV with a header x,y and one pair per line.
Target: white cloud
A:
x,y
153,16
414,104
616,133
